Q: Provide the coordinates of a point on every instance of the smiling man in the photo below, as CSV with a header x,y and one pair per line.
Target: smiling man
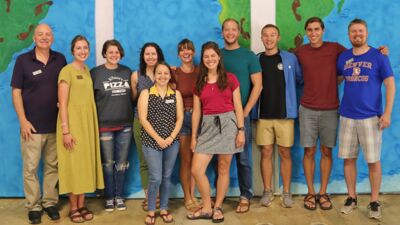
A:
x,y
277,111
318,115
34,93
362,120
244,64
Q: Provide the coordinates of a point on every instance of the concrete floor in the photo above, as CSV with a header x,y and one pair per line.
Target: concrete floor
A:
x,y
12,212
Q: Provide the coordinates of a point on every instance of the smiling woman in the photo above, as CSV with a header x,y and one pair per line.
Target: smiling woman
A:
x,y
161,116
78,147
112,90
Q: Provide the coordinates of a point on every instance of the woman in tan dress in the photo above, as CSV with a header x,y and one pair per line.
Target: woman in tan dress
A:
x,y
78,145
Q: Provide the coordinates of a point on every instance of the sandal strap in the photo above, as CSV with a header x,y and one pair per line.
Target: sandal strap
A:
x,y
151,216
218,209
84,211
74,211
308,197
165,214
325,197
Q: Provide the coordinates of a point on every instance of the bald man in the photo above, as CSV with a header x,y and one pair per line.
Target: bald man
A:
x,y
34,94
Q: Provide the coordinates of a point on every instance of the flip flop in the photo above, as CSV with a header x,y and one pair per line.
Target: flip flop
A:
x,y
152,218
164,217
241,205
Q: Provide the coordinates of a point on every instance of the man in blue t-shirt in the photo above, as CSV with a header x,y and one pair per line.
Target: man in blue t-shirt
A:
x,y
363,69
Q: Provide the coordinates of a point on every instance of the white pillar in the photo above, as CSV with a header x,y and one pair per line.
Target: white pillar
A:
x,y
262,13
104,25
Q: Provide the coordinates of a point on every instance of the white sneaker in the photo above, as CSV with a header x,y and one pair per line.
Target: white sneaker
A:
x,y
349,205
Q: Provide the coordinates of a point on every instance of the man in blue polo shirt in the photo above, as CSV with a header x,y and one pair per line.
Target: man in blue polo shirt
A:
x,y
363,69
34,94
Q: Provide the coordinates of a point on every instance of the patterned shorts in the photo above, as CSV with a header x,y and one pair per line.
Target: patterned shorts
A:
x,y
364,132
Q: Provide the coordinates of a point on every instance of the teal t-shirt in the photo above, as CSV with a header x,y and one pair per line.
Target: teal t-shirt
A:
x,y
242,62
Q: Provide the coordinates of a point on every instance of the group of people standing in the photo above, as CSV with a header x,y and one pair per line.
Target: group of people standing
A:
x,y
197,112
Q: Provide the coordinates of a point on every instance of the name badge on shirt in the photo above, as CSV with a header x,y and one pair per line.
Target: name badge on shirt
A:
x,y
79,77
37,72
169,101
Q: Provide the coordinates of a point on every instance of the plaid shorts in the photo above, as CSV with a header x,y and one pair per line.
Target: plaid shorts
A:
x,y
364,132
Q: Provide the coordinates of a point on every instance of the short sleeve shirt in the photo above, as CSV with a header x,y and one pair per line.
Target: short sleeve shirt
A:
x,y
38,84
243,63
363,77
215,101
320,75
185,83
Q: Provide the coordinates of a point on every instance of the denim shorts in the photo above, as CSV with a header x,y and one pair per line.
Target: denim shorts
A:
x,y
187,124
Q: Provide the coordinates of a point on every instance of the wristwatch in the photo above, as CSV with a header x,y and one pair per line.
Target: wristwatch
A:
x,y
240,128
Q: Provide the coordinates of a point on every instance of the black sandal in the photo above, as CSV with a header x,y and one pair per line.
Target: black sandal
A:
x,y
219,220
312,205
201,215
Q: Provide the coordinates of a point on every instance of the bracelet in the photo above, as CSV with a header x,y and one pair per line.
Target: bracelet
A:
x,y
240,128
66,133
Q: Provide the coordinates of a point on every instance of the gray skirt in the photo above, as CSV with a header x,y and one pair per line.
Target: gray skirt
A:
x,y
217,134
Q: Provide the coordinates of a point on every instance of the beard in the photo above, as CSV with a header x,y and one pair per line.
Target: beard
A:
x,y
231,42
358,43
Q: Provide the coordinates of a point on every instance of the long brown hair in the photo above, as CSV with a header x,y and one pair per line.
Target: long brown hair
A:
x,y
222,79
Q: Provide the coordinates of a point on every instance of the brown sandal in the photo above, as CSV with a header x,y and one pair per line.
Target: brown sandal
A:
x,y
326,201
164,217
191,206
76,217
309,203
87,215
152,220
243,205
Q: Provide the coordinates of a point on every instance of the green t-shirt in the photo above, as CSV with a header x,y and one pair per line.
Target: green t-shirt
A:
x,y
242,62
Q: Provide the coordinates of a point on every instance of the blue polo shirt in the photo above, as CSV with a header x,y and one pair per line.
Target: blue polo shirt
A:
x,y
38,83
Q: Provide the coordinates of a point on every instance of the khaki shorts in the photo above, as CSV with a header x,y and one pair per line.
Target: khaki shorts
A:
x,y
279,131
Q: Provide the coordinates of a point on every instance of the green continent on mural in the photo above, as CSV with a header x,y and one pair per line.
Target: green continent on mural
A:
x,y
292,24
239,10
18,21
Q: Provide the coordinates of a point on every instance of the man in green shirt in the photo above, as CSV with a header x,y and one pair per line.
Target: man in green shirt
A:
x,y
245,65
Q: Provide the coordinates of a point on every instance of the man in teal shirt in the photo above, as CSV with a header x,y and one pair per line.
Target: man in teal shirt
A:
x,y
245,65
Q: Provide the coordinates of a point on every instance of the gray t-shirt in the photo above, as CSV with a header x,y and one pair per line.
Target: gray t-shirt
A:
x,y
112,91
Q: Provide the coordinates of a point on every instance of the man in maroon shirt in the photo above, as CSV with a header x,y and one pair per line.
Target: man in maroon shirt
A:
x,y
318,114
318,108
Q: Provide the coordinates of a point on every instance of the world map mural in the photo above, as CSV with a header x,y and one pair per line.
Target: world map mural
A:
x,y
166,23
